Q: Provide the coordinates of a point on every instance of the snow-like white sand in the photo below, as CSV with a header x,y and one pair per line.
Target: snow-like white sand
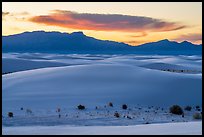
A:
x,y
183,128
44,82
119,79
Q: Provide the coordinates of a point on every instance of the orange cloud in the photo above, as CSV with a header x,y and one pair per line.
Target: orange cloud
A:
x,y
142,34
105,22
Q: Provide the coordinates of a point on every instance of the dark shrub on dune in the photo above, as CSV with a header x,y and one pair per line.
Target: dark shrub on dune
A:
x,y
176,109
10,114
81,107
188,108
124,106
110,104
117,114
197,107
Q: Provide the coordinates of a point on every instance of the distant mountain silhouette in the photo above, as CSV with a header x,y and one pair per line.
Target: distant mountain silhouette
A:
x,y
171,45
77,42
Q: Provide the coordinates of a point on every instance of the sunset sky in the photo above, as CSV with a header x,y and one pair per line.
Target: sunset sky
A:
x,y
129,22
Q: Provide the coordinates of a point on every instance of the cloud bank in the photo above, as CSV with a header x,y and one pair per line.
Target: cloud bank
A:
x,y
105,22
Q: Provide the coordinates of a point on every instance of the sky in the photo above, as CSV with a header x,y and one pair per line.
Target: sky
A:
x,y
133,23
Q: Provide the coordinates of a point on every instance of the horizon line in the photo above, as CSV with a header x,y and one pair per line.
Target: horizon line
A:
x,y
99,39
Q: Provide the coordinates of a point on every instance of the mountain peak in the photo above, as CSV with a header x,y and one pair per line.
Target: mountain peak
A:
x,y
164,40
80,33
186,42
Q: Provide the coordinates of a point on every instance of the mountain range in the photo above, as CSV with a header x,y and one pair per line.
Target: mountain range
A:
x,y
77,42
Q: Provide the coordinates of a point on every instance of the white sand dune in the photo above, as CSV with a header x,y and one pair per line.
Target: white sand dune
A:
x,y
183,128
16,64
98,84
93,80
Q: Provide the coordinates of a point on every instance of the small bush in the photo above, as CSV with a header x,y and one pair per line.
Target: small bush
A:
x,y
197,116
129,117
124,106
175,109
10,114
81,107
110,104
117,114
197,107
188,108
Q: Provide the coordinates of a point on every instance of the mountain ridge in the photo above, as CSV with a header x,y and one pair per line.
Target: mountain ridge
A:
x,y
54,41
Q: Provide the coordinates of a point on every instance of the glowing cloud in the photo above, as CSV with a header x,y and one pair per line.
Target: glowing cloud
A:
x,y
105,22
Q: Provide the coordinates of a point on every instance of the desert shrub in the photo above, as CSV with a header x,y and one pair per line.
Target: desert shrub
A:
x,y
116,114
197,107
176,109
10,114
81,107
110,104
129,117
124,106
197,116
188,108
